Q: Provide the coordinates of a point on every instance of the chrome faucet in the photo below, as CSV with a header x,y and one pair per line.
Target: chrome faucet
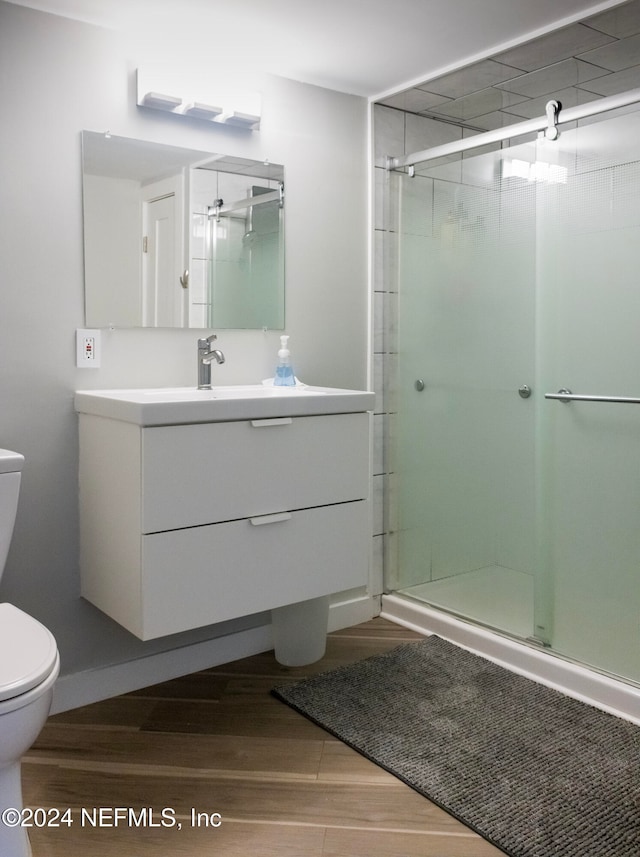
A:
x,y
206,356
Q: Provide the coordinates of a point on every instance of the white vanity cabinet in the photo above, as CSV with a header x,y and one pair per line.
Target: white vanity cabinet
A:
x,y
188,524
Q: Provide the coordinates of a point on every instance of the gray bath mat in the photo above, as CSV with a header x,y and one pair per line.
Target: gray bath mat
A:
x,y
532,771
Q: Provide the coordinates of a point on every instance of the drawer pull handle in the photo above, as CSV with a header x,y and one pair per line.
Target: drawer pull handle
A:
x,y
270,519
279,421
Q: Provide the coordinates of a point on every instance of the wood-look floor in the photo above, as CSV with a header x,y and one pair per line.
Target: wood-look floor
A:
x,y
261,779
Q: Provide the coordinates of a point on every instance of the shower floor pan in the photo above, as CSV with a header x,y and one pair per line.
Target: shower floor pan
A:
x,y
494,595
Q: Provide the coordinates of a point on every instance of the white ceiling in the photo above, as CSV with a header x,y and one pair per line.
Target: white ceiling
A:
x,y
364,47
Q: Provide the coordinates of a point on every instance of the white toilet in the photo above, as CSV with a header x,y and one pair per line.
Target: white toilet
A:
x,y
29,666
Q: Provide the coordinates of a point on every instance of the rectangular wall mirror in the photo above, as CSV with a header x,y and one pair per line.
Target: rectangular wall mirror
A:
x,y
179,237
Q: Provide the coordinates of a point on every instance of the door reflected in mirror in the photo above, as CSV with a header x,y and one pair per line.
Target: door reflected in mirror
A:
x,y
179,237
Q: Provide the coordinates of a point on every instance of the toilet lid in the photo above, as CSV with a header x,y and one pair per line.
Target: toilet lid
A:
x,y
27,652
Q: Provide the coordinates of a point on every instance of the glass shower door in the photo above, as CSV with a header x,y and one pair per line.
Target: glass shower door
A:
x,y
516,507
465,452
589,322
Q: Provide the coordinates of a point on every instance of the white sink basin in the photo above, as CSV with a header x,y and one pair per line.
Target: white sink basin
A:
x,y
246,391
177,405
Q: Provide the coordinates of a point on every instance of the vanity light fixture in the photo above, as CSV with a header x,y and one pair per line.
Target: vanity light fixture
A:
x,y
240,120
201,111
231,106
161,101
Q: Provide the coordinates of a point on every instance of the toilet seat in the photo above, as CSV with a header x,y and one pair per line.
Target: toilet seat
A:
x,y
10,462
28,652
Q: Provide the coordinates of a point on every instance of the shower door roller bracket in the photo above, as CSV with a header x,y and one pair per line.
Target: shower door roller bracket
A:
x,y
524,392
552,110
537,641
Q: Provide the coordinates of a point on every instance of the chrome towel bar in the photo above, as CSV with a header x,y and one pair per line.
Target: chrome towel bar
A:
x,y
567,396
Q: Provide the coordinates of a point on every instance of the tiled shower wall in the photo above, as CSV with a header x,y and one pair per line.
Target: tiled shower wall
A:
x,y
396,132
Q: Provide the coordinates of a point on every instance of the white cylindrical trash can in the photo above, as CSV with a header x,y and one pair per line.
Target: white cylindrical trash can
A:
x,y
300,631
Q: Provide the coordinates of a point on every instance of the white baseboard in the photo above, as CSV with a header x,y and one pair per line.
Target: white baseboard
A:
x,y
353,611
84,688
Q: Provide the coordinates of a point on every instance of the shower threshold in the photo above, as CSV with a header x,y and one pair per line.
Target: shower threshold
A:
x,y
495,596
541,665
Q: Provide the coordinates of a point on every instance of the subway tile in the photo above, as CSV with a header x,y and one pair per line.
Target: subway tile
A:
x,y
619,22
390,261
378,322
391,322
389,133
378,559
198,281
534,107
199,315
614,83
497,119
417,214
424,133
553,47
385,246
385,206
378,382
379,238
617,56
378,483
471,78
558,76
199,223
479,103
379,428
415,100
389,379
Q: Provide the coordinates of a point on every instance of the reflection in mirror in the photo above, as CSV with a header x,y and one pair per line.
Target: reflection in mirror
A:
x,y
180,237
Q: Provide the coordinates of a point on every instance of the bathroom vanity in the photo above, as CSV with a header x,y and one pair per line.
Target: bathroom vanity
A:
x,y
199,506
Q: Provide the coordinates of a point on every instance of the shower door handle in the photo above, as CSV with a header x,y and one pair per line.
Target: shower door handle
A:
x,y
564,395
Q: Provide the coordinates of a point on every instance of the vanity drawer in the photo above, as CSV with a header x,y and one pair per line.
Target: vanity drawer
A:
x,y
202,575
210,472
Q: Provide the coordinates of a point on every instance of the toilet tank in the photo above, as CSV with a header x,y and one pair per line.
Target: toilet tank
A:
x,y
10,471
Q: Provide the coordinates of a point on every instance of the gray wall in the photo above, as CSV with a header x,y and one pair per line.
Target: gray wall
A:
x,y
58,77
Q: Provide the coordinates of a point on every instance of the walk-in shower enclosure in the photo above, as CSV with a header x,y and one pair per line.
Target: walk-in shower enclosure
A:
x,y
518,275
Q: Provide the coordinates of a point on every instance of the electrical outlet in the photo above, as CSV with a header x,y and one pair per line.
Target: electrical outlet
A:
x,y
87,349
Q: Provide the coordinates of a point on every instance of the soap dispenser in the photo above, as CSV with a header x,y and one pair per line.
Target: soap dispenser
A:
x,y
284,376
